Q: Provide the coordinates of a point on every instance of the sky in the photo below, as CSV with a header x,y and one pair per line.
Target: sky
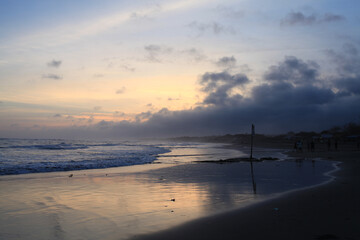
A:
x,y
148,68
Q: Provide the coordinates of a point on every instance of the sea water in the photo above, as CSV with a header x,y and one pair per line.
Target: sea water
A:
x,y
19,156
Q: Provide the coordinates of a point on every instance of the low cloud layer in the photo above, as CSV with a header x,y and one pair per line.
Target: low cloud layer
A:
x,y
293,95
219,87
348,66
293,70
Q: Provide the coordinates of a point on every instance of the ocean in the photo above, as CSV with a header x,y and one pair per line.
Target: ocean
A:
x,y
21,156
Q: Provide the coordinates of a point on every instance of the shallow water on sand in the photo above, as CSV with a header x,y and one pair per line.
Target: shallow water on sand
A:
x,y
118,203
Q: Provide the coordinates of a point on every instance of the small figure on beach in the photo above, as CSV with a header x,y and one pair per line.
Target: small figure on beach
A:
x,y
299,146
312,146
336,145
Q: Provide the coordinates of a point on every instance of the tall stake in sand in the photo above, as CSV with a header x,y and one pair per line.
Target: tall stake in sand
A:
x,y
251,163
252,135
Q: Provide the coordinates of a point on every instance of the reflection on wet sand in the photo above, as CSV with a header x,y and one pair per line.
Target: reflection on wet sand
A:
x,y
93,205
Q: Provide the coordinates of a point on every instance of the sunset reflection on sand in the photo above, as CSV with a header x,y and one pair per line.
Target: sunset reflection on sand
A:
x,y
119,203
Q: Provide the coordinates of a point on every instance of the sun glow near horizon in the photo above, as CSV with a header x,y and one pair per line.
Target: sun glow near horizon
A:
x,y
207,62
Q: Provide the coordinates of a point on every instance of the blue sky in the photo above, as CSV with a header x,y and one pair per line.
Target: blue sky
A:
x,y
118,68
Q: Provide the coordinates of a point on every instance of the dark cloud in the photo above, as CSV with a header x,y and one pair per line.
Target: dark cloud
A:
x,y
57,115
52,76
299,18
293,70
219,87
154,52
285,94
349,85
347,65
214,27
54,63
347,62
290,102
226,62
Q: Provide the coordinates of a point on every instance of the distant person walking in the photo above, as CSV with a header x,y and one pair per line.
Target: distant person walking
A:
x,y
299,146
336,144
312,146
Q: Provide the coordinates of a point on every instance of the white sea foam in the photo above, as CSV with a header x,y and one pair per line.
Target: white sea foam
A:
x,y
19,156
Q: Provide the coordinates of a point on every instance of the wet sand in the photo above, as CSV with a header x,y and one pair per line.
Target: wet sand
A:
x,y
330,211
189,200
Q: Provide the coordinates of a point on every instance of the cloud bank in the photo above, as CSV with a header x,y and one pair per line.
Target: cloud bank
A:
x,y
293,95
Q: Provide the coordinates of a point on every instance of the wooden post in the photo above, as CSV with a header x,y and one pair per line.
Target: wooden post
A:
x,y
252,136
253,177
251,163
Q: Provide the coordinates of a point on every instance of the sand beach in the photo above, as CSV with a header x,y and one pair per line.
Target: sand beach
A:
x,y
188,201
329,211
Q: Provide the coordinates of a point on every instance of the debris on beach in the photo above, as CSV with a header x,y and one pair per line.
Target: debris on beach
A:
x,y
173,200
327,236
268,159
71,175
233,160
